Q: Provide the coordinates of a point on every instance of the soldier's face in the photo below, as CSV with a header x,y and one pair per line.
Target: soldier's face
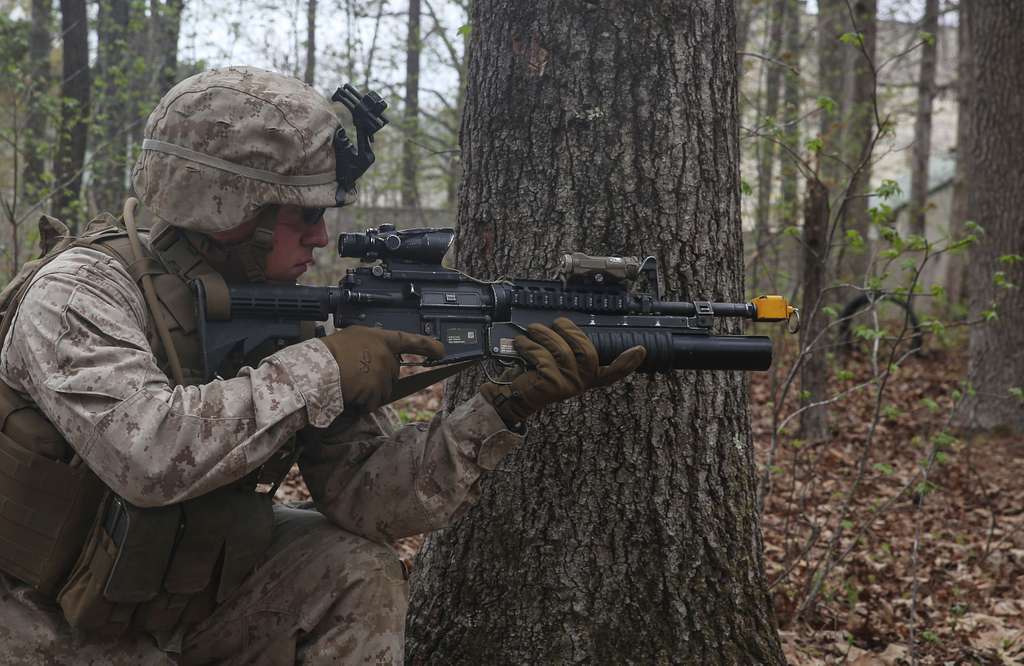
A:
x,y
295,238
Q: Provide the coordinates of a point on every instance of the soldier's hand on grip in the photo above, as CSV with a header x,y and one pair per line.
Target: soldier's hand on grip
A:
x,y
565,364
368,359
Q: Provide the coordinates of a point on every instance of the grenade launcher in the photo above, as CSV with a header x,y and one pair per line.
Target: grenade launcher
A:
x,y
403,286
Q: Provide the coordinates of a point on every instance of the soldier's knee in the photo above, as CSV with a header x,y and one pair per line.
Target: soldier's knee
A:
x,y
354,561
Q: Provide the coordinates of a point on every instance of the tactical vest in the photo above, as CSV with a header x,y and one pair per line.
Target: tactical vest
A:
x,y
110,565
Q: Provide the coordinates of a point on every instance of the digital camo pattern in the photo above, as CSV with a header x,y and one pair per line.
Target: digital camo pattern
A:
x,y
78,348
385,484
247,116
321,596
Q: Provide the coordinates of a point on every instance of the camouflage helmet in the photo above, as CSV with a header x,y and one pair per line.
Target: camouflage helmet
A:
x,y
224,143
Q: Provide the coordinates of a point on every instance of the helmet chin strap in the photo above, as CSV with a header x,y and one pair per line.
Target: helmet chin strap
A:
x,y
241,261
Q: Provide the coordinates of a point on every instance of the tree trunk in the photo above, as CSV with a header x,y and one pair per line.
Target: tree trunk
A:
x,y
624,530
74,112
33,177
814,369
165,26
956,272
858,143
923,120
410,159
310,74
766,151
831,65
996,360
112,96
788,208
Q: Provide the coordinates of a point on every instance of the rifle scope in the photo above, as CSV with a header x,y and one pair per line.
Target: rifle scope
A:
x,y
411,246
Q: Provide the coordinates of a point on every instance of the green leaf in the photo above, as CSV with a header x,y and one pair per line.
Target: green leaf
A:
x,y
852,39
844,375
814,145
1000,280
930,636
791,231
826,104
930,404
1017,392
1011,259
847,524
884,468
973,227
855,240
891,411
889,189
745,188
463,30
926,37
830,311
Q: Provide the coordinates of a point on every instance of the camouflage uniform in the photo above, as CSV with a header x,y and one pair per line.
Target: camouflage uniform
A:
x,y
328,589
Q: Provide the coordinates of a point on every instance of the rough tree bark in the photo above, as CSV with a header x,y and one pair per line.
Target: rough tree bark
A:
x,y
625,529
956,273
310,73
74,112
923,120
33,177
410,159
996,356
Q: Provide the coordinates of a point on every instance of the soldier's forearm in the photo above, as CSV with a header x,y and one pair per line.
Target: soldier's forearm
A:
x,y
412,481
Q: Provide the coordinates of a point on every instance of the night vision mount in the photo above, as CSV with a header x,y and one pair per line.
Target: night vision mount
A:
x,y
351,162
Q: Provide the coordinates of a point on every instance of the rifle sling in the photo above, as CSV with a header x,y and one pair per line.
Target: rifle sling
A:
x,y
408,385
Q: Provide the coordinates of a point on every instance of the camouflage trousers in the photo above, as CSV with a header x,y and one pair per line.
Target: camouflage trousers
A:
x,y
321,596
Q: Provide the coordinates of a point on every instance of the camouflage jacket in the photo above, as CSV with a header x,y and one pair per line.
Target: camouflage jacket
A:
x,y
78,348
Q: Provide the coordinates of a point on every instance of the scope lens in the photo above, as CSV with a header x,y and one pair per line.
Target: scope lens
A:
x,y
352,245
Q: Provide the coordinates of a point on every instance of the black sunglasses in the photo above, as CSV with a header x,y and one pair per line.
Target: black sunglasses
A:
x,y
312,215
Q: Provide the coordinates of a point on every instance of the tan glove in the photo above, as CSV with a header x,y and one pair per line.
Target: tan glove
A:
x,y
565,364
368,360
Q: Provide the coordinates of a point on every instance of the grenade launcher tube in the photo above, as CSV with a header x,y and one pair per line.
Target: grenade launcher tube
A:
x,y
684,351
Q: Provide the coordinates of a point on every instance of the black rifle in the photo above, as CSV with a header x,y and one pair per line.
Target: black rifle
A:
x,y
404,287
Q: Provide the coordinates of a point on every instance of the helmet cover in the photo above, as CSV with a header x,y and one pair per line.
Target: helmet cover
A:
x,y
224,143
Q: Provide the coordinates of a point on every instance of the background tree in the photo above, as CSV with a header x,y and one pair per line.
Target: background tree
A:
x,y
996,269
112,97
75,96
410,161
625,528
956,276
858,140
34,179
923,120
766,148
310,73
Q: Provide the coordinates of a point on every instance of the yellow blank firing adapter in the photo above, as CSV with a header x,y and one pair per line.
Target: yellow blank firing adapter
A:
x,y
772,308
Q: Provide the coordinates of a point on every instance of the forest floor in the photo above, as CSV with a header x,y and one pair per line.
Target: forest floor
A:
x,y
925,528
